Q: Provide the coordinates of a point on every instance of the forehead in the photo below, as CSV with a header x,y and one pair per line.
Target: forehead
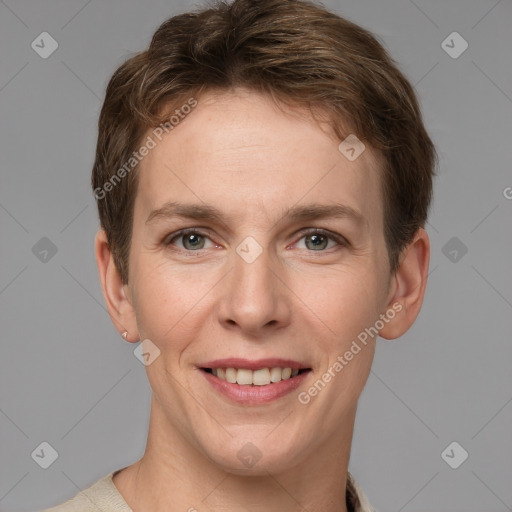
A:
x,y
242,153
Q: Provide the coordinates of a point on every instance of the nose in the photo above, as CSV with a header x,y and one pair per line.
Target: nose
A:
x,y
255,299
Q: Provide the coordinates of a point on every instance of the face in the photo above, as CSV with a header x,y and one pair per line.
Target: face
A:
x,y
282,265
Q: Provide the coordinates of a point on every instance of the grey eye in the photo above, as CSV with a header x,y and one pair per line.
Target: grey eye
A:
x,y
192,241
316,242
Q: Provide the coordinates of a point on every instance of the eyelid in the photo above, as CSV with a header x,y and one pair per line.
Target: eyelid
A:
x,y
168,239
340,239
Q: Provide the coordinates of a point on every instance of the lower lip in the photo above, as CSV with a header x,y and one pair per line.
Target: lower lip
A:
x,y
254,395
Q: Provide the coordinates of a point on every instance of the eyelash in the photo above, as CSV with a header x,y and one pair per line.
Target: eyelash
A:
x,y
339,239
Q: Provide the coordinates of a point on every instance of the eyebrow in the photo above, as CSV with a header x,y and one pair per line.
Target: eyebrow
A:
x,y
295,213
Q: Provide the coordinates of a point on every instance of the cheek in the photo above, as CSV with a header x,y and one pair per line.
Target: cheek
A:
x,y
345,301
168,299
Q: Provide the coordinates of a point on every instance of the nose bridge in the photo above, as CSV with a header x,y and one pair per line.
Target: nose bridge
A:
x,y
255,297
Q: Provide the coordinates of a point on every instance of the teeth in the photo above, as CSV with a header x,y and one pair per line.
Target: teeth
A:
x,y
231,375
244,377
276,374
260,377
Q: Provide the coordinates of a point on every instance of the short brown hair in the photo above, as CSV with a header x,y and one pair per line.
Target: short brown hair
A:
x,y
293,50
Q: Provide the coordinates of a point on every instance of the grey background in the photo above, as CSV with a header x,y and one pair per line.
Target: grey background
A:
x,y
67,378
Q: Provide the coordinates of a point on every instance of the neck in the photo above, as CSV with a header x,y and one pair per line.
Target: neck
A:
x,y
174,474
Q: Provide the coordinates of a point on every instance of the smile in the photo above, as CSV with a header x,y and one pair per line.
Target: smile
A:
x,y
254,382
261,377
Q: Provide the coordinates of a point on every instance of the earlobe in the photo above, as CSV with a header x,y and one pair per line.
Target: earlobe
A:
x,y
408,286
118,304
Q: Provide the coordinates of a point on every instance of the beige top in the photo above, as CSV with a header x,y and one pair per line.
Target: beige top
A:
x,y
103,496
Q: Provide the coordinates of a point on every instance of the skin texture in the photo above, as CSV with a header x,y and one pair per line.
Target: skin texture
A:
x,y
239,152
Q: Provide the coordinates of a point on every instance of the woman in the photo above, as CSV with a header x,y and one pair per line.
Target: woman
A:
x,y
263,177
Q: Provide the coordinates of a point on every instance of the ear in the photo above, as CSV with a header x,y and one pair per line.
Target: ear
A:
x,y
407,288
117,294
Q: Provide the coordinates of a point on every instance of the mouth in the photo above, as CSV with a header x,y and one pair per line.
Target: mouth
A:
x,y
260,377
254,382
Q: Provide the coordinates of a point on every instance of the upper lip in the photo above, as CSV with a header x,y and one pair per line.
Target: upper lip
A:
x,y
255,364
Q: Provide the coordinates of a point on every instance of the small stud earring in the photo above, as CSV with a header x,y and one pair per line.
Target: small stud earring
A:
x,y
125,334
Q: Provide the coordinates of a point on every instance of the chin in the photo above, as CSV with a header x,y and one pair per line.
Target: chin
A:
x,y
256,458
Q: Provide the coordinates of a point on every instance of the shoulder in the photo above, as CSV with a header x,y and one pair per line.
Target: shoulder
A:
x,y
102,495
356,498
